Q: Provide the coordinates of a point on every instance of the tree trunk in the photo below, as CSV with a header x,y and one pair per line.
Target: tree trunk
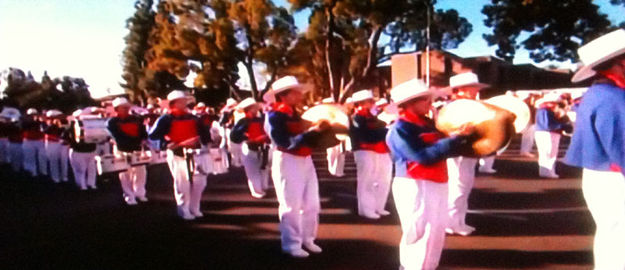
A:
x,y
372,58
328,50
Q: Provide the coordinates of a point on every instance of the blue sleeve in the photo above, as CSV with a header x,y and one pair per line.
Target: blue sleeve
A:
x,y
143,133
160,128
366,134
237,134
609,125
405,145
546,120
280,135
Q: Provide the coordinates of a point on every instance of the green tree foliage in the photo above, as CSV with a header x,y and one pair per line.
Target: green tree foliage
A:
x,y
134,63
555,28
66,93
350,32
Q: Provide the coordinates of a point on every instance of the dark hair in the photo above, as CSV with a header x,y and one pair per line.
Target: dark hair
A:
x,y
608,64
281,95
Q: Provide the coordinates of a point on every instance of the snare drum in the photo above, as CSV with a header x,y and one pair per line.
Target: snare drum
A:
x,y
111,164
139,158
201,159
219,161
93,130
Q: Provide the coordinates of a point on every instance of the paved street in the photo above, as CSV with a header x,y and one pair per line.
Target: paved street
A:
x,y
522,222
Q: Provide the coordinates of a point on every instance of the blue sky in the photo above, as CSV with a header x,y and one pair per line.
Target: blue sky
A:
x,y
84,38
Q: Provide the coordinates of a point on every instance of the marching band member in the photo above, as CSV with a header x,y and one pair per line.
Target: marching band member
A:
x,y
15,137
597,144
336,154
527,138
82,154
292,169
250,133
420,183
227,122
33,146
182,130
462,169
548,130
4,140
54,150
374,167
130,135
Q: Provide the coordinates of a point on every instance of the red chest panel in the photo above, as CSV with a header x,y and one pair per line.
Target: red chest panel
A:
x,y
255,130
182,130
130,129
436,172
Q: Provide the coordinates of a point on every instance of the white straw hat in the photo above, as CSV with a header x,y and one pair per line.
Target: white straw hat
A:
x,y
176,94
381,102
31,111
53,113
408,91
599,51
120,101
244,104
10,113
284,84
467,79
327,100
362,95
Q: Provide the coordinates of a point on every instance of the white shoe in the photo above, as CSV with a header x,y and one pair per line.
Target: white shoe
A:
x,y
549,175
185,214
197,214
312,247
258,195
297,253
487,171
370,215
463,230
130,201
383,212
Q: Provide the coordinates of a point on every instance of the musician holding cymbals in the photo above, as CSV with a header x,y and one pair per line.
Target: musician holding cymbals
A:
x,y
183,132
598,144
550,123
420,183
130,135
293,171
374,168
461,168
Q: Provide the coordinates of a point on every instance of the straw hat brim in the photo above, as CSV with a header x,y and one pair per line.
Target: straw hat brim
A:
x,y
394,106
449,89
270,95
587,71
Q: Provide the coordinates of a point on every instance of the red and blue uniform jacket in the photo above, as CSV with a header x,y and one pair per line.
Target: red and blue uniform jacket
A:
x,y
14,133
249,130
32,130
54,133
286,130
128,132
178,127
419,150
546,121
367,132
599,139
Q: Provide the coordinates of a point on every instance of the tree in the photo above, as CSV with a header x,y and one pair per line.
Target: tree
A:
x,y
134,61
351,31
556,28
211,37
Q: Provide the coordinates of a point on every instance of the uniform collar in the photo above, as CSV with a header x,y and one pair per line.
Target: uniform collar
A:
x,y
363,112
283,108
617,80
410,117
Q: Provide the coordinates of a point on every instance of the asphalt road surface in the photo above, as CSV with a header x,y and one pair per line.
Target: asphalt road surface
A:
x,y
522,222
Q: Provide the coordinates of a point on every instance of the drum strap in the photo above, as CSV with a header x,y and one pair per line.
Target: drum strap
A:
x,y
264,152
190,165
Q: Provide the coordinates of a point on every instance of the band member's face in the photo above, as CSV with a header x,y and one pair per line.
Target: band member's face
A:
x,y
252,110
293,97
122,110
420,106
468,92
179,104
366,104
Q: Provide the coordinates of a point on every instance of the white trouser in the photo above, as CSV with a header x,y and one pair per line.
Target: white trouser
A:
x,y
133,182
547,145
16,156
53,153
486,163
220,163
461,172
64,162
604,193
257,178
297,190
236,152
4,150
35,157
336,160
84,168
527,139
421,206
187,189
374,172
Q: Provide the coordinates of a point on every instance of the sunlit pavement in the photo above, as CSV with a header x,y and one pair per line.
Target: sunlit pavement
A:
x,y
522,222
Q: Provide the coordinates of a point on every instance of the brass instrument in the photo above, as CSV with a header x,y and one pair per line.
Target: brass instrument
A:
x,y
515,106
336,116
